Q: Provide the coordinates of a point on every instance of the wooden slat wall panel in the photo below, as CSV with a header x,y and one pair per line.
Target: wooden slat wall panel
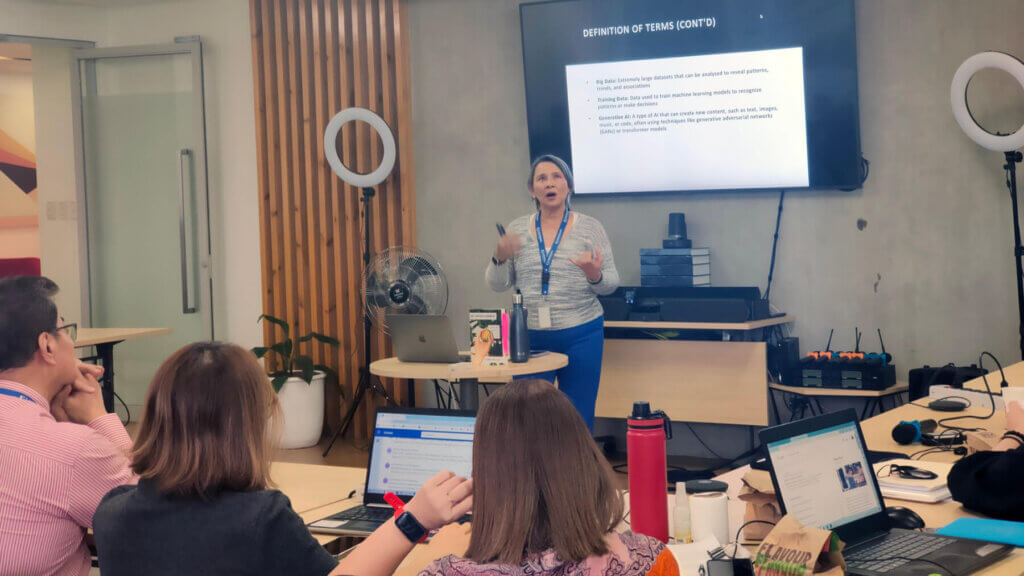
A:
x,y
312,58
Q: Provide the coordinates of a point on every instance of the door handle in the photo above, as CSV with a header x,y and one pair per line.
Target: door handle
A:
x,y
183,155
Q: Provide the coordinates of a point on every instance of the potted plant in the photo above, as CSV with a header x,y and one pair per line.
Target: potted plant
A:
x,y
299,385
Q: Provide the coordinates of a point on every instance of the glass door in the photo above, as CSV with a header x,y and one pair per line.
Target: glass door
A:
x,y
143,143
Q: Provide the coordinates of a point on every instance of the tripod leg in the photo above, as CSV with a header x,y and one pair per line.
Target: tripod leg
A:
x,y
378,388
350,414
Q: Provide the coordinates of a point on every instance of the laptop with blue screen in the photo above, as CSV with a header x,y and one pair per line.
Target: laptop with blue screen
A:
x,y
409,446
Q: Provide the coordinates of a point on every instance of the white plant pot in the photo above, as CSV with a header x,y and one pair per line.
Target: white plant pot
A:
x,y
302,409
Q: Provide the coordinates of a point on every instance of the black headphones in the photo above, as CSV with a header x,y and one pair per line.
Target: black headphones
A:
x,y
944,439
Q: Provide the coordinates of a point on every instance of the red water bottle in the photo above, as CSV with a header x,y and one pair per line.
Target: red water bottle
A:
x,y
648,480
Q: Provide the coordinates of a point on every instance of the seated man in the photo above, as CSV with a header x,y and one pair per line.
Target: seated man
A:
x,y
989,482
60,452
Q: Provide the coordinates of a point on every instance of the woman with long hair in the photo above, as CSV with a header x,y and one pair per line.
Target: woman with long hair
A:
x,y
545,500
204,504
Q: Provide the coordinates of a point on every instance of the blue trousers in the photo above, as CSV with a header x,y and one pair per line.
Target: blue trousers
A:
x,y
584,345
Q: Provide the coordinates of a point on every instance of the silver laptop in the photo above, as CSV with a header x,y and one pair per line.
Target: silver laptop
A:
x,y
822,476
410,446
423,338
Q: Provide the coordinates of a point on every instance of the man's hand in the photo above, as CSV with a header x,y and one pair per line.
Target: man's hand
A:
x,y
94,370
81,402
85,371
442,499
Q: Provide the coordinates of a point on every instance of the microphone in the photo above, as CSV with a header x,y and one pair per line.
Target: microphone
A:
x,y
910,432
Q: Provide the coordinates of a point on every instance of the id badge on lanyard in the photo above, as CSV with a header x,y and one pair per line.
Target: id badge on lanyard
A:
x,y
546,258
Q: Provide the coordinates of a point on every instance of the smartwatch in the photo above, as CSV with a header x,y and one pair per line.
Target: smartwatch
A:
x,y
411,527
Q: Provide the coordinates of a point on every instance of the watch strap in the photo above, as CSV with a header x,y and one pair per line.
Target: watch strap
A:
x,y
408,525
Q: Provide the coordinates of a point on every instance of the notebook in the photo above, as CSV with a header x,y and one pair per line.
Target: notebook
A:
x,y
915,490
1002,531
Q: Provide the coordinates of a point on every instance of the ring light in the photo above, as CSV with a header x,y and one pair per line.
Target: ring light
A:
x,y
387,162
958,97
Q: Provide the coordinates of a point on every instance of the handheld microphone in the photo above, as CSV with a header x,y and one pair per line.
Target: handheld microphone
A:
x,y
910,432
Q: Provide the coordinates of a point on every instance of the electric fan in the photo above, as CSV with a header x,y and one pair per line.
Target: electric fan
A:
x,y
402,280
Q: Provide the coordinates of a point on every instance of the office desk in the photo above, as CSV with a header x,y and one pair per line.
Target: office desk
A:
x,y
878,436
322,487
313,486
318,491
719,375
873,397
466,374
1014,377
104,339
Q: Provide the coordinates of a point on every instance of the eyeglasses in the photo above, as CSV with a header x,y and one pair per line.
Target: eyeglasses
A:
x,y
908,472
72,330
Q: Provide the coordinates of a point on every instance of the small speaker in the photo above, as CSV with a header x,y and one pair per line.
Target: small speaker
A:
x,y
677,225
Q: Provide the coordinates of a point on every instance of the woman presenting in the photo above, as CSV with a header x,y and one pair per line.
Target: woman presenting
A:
x,y
561,261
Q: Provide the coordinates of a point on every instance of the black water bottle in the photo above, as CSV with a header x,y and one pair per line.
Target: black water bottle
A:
x,y
518,333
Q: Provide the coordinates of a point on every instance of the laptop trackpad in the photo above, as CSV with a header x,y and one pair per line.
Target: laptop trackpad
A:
x,y
354,525
960,557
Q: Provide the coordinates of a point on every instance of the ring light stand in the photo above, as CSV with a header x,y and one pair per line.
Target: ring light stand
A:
x,y
1009,144
366,183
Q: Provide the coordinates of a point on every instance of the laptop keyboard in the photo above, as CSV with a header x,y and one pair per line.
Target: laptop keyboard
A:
x,y
909,545
365,513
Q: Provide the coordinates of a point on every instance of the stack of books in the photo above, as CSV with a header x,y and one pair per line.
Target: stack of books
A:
x,y
675,267
915,490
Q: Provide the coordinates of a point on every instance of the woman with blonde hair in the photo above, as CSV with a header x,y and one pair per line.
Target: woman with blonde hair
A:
x,y
203,503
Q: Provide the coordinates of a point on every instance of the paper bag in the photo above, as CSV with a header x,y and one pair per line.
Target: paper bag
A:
x,y
981,441
759,494
794,549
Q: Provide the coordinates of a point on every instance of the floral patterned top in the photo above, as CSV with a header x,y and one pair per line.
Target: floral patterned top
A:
x,y
630,554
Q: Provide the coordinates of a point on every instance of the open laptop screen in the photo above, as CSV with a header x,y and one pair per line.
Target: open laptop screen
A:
x,y
409,448
824,477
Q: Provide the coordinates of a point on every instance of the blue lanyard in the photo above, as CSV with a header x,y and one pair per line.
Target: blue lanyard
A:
x,y
9,392
546,258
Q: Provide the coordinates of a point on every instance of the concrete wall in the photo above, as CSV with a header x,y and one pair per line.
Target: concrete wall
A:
x,y
932,267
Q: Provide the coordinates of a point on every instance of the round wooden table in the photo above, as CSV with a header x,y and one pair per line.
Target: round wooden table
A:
x,y
467,375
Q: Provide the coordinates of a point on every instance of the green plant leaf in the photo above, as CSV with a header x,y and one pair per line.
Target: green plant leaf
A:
x,y
284,348
272,320
305,365
260,351
278,381
320,337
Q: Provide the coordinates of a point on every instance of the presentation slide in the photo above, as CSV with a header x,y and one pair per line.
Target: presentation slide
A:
x,y
648,96
707,113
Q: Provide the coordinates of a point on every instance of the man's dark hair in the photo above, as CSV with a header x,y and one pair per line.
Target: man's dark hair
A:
x,y
26,311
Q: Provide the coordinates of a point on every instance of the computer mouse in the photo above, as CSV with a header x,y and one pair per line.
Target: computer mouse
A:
x,y
900,517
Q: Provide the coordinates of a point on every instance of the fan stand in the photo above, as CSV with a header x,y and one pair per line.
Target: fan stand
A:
x,y
367,381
